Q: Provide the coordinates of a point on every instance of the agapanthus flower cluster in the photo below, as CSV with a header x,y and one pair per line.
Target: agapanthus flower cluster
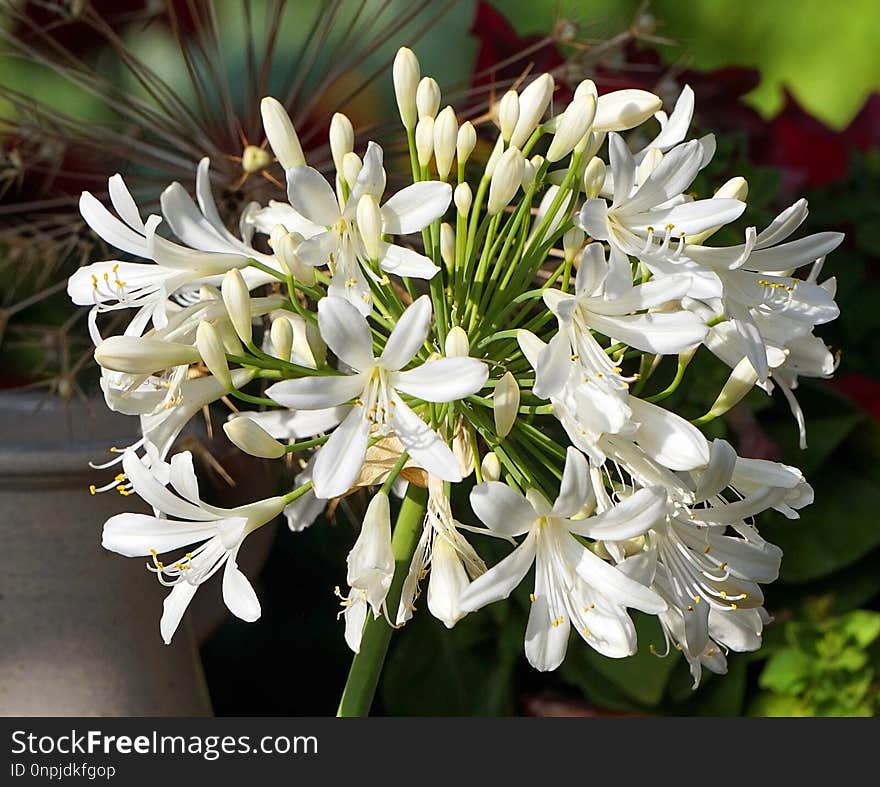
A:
x,y
479,342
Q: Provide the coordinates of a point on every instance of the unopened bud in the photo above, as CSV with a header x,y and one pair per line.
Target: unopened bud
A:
x,y
369,222
281,336
281,134
285,244
572,242
573,126
428,98
425,140
351,168
213,355
250,437
447,245
341,139
533,103
406,79
506,180
136,355
445,135
465,142
594,177
237,299
625,109
505,404
490,467
463,198
508,113
457,344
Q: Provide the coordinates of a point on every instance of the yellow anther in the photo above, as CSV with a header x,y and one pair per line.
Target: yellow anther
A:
x,y
532,597
94,281
690,608
115,267
710,652
120,477
732,605
670,227
696,599
724,594
586,632
93,490
708,549
723,566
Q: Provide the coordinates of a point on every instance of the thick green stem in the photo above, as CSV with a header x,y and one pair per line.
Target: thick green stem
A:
x,y
366,667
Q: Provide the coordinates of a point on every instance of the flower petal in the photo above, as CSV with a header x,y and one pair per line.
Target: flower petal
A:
x,y
575,487
443,380
500,580
173,607
238,593
422,443
667,438
613,583
664,333
316,393
633,517
310,195
137,535
341,458
408,335
502,509
415,207
346,332
405,262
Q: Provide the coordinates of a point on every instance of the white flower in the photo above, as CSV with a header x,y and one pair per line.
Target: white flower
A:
x,y
452,561
336,240
178,269
218,531
657,207
572,585
374,384
370,570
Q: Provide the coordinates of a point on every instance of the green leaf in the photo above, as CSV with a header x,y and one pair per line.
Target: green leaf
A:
x,y
769,704
787,672
862,625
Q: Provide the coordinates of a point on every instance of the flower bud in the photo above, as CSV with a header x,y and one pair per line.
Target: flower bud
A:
x,y
250,437
237,299
447,582
494,158
371,560
447,245
406,79
533,102
281,134
228,337
490,467
341,139
572,242
457,344
625,109
351,168
285,244
506,180
281,336
573,126
505,404
425,140
213,355
529,173
428,98
508,113
594,177
136,355
463,198
465,142
445,135
586,88
369,222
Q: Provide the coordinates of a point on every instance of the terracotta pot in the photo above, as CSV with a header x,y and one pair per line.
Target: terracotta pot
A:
x,y
79,625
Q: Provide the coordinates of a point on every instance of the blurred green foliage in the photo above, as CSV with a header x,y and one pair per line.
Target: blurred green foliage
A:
x,y
824,54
